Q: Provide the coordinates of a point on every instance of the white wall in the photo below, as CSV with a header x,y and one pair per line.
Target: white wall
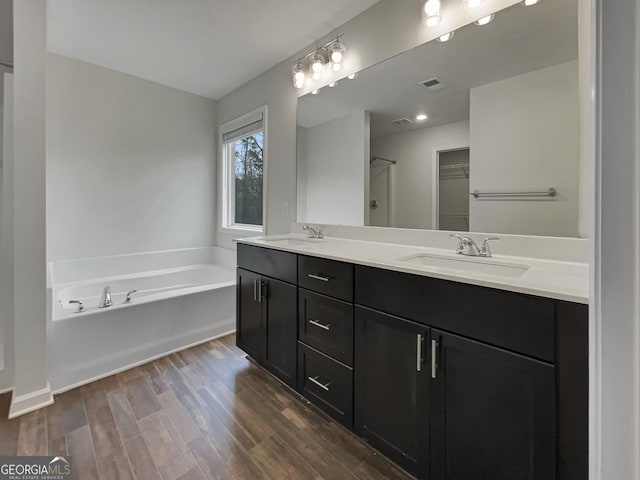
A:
x,y
6,241
616,271
130,164
336,167
29,280
403,30
509,120
412,177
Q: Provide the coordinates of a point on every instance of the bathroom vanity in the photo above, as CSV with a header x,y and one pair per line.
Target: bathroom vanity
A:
x,y
451,376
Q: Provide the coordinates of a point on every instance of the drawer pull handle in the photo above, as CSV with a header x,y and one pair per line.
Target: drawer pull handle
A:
x,y
318,277
434,359
324,386
320,325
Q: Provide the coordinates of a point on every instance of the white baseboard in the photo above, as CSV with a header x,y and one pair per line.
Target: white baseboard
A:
x,y
30,401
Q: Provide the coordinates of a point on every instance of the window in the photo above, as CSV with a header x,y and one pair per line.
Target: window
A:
x,y
243,156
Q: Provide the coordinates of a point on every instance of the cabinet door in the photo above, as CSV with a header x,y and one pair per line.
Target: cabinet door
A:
x,y
249,316
391,387
492,413
281,300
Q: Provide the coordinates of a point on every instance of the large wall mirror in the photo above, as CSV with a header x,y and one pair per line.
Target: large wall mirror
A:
x,y
476,133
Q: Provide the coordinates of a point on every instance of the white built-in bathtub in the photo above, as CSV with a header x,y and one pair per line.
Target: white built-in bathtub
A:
x,y
183,297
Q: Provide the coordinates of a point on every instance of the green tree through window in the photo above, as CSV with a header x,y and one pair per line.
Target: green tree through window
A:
x,y
248,179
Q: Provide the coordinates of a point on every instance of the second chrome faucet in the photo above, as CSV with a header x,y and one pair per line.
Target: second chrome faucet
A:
x,y
467,246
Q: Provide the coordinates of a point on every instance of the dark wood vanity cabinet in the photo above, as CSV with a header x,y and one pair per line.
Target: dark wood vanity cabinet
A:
x,y
392,388
266,316
451,381
492,413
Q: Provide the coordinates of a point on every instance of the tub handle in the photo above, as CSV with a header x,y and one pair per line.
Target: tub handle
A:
x,y
79,308
129,293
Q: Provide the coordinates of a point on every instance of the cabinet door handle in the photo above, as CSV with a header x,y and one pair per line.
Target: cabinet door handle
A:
x,y
419,352
324,386
318,277
320,325
434,359
260,294
255,289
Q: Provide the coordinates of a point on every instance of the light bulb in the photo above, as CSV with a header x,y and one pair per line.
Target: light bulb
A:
x,y
314,92
473,3
431,13
317,64
421,117
336,55
528,3
446,37
485,20
299,74
333,84
352,76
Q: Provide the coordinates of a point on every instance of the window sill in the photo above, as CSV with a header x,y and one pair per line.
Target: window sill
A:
x,y
242,231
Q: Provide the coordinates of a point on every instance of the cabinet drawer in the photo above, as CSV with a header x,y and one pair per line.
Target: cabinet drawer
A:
x,y
326,276
326,324
272,263
517,322
327,383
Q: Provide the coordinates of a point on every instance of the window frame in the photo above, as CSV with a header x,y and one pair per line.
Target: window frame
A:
x,y
227,198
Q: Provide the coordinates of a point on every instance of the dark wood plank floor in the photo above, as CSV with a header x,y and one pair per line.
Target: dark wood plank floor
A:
x,y
203,413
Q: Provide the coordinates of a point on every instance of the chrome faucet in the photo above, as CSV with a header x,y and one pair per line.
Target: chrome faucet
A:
x,y
129,293
467,246
105,298
314,232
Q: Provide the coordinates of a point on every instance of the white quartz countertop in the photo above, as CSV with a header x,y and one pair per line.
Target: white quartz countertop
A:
x,y
544,278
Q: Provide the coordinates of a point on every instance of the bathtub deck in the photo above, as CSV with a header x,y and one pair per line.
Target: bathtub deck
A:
x,y
203,413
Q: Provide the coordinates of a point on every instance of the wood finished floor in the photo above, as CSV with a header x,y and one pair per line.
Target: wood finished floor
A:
x,y
203,413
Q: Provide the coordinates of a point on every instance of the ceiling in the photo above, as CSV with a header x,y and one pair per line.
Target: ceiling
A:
x,y
206,47
519,40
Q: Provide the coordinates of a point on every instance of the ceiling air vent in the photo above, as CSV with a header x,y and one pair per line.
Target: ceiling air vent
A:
x,y
401,121
433,84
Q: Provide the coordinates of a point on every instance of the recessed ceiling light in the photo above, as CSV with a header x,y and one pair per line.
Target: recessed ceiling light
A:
x,y
314,92
333,84
352,76
528,3
473,3
421,117
446,37
485,20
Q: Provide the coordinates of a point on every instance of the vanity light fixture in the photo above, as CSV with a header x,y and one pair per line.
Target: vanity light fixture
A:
x,y
299,74
333,84
431,13
446,37
353,76
313,63
529,3
421,117
314,92
473,3
485,20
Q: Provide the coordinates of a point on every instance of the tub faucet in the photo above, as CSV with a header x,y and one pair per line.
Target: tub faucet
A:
x,y
105,298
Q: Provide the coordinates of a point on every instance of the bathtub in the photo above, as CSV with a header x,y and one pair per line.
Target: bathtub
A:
x,y
183,297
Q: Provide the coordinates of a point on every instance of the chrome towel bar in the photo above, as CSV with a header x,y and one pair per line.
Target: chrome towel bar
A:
x,y
551,192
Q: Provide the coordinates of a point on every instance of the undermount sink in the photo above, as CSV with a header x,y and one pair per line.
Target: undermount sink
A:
x,y
291,241
467,264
